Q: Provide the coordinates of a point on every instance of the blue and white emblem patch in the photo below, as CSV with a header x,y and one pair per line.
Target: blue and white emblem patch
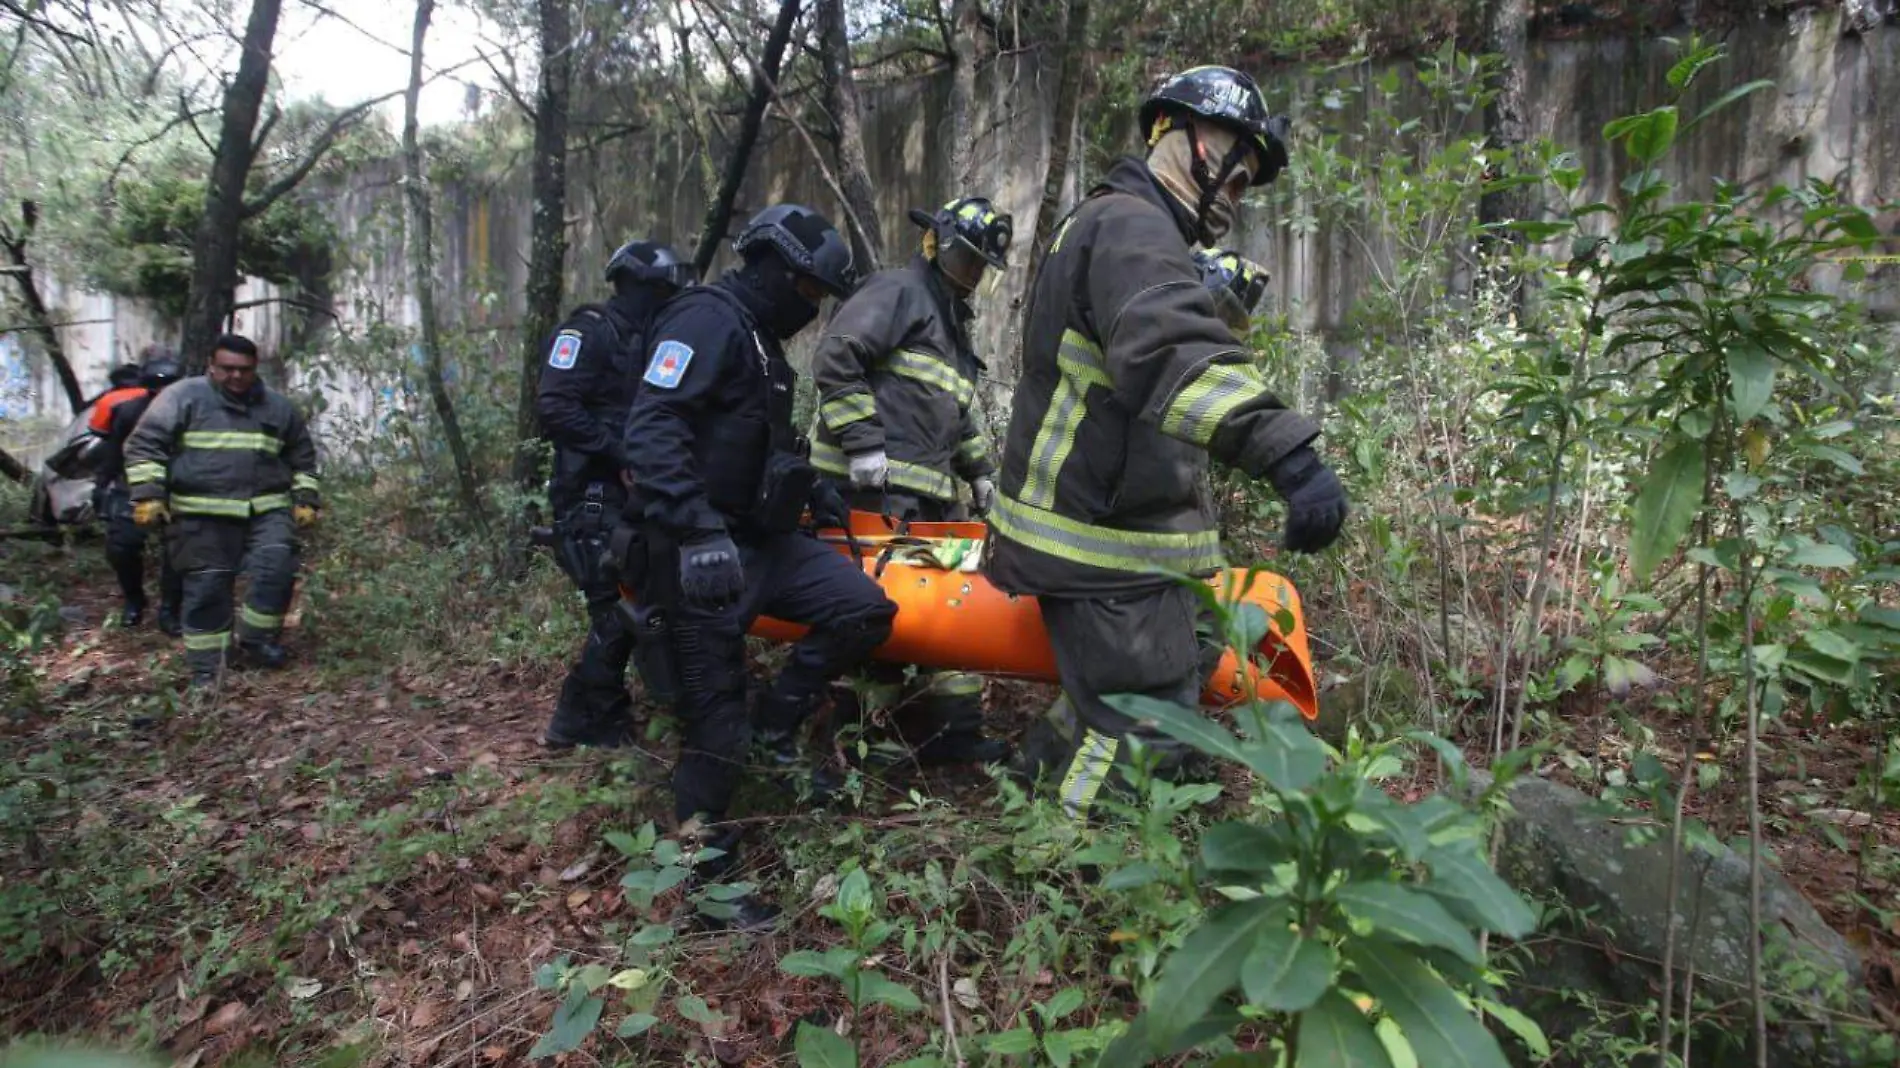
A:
x,y
668,367
567,349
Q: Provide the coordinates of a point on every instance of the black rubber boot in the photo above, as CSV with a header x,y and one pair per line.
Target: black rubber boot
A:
x,y
267,655
962,748
131,615
575,723
168,620
750,913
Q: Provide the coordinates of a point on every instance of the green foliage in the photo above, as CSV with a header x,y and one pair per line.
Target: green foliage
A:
x,y
155,224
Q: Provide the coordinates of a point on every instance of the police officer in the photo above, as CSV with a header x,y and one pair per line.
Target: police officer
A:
x,y
231,465
1130,382
1237,284
125,540
896,374
585,388
720,480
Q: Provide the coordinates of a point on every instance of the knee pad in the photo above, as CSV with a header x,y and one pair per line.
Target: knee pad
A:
x,y
855,636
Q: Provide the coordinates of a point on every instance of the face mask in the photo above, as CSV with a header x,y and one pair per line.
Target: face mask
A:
x,y
786,311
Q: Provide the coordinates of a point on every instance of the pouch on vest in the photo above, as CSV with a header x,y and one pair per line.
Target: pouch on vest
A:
x,y
784,491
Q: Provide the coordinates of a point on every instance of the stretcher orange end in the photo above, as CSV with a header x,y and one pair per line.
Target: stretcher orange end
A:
x,y
958,620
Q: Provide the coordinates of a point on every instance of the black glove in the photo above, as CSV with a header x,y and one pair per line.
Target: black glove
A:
x,y
710,573
827,506
1315,501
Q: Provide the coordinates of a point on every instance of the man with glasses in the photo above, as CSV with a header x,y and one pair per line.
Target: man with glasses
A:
x,y
896,374
1130,382
231,465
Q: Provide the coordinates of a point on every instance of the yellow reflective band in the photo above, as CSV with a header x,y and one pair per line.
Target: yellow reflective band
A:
x,y
920,479
259,620
841,412
198,643
303,481
829,458
1062,232
1189,552
270,502
1079,361
955,683
972,449
1088,770
211,506
1197,411
145,472
922,367
231,439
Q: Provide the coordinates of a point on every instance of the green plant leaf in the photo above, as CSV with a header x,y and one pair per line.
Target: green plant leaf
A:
x,y
1241,847
1016,1041
1286,972
1414,916
1134,875
1465,882
572,1023
636,1024
854,893
693,1007
1650,138
1335,1034
1285,756
1439,1027
875,989
1830,644
1751,380
812,964
1066,1001
1819,554
1666,505
1522,1026
1207,965
1730,97
1058,1048
821,1047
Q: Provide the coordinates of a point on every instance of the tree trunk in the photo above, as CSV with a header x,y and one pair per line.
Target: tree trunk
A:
x,y
13,469
854,175
547,256
422,261
963,23
1075,36
719,213
214,256
1506,24
41,315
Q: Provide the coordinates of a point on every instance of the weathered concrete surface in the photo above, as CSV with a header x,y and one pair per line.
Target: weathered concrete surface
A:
x,y
1558,847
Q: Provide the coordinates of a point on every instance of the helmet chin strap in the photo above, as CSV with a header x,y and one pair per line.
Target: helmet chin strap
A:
x,y
1211,184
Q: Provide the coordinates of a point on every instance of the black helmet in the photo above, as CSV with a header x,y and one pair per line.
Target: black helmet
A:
x,y
124,375
651,262
971,221
807,242
1236,282
1231,98
161,371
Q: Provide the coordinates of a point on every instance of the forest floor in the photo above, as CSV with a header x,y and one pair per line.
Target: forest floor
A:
x,y
374,857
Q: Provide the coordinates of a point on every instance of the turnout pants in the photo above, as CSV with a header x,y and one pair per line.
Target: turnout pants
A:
x,y
1154,643
932,705
595,689
125,552
210,551
790,577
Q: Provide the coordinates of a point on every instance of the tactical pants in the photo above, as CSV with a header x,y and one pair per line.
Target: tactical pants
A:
x,y
1155,643
934,705
210,551
125,551
789,577
595,690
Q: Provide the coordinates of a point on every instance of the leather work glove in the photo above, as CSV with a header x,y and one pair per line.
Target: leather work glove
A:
x,y
305,515
827,506
1315,500
982,493
150,513
710,573
869,469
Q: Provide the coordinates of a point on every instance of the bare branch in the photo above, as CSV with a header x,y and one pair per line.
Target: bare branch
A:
x,y
183,117
28,18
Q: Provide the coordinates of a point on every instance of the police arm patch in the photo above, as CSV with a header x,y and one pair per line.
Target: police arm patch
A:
x,y
566,350
668,366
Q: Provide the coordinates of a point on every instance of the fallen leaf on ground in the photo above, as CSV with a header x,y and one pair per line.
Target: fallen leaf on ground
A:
x,y
225,1018
425,1015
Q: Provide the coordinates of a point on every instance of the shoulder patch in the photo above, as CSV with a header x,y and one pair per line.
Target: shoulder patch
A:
x,y
566,350
668,366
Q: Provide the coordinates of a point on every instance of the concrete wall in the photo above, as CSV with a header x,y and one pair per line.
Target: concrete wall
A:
x,y
1834,114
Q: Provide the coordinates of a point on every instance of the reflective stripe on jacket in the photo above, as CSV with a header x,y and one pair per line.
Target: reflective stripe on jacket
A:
x,y
215,455
1130,382
895,370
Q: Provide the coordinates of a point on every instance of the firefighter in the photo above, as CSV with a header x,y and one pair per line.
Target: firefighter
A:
x,y
896,374
1237,284
586,386
1130,383
720,479
125,540
231,466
